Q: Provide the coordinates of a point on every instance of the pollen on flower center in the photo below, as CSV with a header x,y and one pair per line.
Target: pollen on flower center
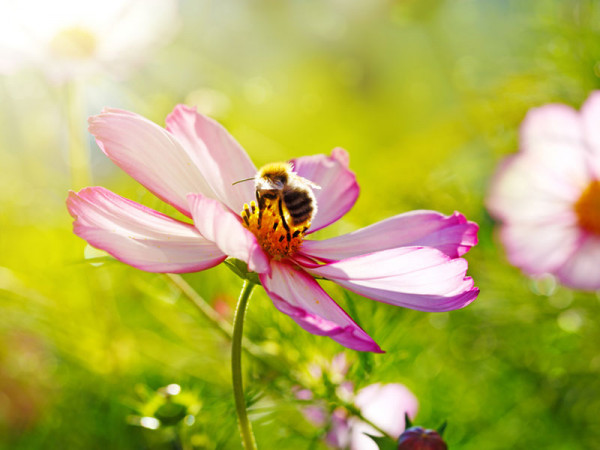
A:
x,y
587,208
279,238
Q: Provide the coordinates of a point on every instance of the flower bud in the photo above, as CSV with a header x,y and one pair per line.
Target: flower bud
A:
x,y
418,438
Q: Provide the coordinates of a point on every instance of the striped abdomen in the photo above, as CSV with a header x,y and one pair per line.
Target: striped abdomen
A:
x,y
300,205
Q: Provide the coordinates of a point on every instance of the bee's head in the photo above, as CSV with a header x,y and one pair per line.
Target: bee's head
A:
x,y
273,176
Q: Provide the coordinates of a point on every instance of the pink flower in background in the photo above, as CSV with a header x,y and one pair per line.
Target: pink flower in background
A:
x,y
547,196
385,405
411,260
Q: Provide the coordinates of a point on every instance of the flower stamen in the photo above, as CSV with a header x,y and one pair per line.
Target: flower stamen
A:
x,y
273,230
587,208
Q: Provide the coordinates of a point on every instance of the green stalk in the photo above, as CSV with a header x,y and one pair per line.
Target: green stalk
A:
x,y
236,368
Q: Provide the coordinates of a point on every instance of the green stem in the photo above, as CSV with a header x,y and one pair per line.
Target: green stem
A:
x,y
236,368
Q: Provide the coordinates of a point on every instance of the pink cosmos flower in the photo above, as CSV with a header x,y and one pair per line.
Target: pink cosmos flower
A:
x,y
411,260
547,196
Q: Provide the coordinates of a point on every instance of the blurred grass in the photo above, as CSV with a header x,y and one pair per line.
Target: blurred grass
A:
x,y
427,97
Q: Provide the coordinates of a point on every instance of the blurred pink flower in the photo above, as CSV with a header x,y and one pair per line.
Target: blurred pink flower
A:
x,y
411,260
547,196
385,405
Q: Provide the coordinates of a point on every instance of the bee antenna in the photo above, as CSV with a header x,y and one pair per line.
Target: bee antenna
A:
x,y
241,181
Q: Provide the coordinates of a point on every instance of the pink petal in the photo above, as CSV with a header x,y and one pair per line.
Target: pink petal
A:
x,y
151,155
384,405
537,188
298,295
222,160
421,278
551,126
339,189
139,236
539,252
590,112
582,269
453,235
219,225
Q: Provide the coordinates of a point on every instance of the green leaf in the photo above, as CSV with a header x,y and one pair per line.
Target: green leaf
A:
x,y
384,442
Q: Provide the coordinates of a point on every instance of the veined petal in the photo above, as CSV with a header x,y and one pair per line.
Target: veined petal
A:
x,y
219,225
421,278
223,160
452,235
151,155
582,270
385,405
339,189
298,295
139,236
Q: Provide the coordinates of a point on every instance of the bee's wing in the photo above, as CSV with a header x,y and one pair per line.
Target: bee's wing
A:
x,y
308,182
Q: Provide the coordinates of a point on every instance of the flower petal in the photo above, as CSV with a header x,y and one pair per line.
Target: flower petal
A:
x,y
421,278
151,155
139,236
298,295
223,160
538,252
219,225
582,270
536,188
339,189
385,406
453,235
551,126
590,112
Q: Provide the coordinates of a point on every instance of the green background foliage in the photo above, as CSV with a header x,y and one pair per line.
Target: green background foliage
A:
x,y
427,96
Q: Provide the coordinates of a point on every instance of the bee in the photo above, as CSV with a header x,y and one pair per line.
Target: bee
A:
x,y
278,186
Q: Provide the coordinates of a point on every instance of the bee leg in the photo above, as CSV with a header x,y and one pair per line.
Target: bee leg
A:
x,y
283,222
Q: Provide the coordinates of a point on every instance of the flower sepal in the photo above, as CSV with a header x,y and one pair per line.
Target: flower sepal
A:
x,y
383,442
240,268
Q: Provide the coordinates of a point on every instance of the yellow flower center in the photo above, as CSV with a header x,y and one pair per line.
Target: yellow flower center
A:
x,y
275,234
587,208
73,43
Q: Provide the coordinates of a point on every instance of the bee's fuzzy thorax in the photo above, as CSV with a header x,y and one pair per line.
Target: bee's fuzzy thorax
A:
x,y
284,208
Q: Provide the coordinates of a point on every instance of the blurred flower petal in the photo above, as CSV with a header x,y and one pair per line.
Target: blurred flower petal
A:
x,y
536,188
385,405
222,160
552,126
339,189
139,236
537,252
453,235
581,269
298,295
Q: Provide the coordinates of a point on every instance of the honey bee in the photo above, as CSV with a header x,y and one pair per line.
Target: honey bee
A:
x,y
276,182
278,186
